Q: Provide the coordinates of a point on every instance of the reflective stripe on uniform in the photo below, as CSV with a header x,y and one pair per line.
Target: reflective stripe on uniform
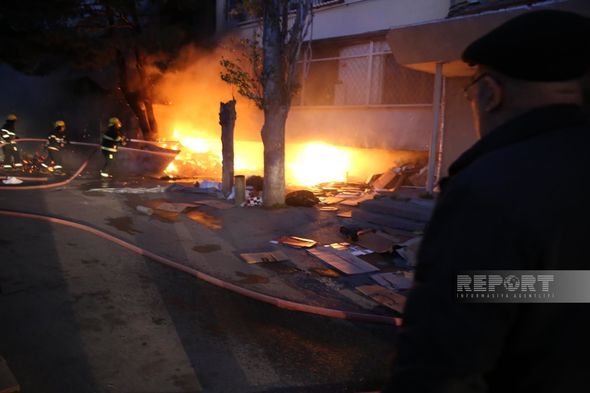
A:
x,y
4,130
108,138
53,148
112,149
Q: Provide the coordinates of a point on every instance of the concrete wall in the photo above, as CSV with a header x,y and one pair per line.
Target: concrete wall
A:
x,y
459,133
404,128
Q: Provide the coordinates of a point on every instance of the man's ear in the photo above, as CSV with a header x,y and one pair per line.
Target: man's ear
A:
x,y
491,93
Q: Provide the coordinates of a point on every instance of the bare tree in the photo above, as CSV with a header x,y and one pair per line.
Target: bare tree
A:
x,y
269,78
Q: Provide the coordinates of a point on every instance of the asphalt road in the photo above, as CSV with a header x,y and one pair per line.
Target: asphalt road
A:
x,y
79,314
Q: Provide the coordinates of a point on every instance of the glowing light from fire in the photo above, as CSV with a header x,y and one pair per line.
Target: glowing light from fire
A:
x,y
319,162
171,168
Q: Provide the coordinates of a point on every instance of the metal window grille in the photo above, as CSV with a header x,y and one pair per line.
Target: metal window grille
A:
x,y
361,74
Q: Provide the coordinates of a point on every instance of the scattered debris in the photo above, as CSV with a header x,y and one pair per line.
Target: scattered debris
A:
x,y
409,250
359,200
253,199
330,200
325,272
393,281
145,210
354,250
12,180
260,257
384,296
207,184
344,261
191,189
327,208
353,232
296,242
345,214
377,241
301,198
419,179
129,190
256,182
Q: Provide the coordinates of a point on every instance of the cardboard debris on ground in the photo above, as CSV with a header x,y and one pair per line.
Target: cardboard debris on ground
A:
x,y
354,250
324,272
327,208
221,205
174,207
331,200
346,214
384,296
393,281
296,242
386,179
376,241
343,261
260,257
409,250
359,200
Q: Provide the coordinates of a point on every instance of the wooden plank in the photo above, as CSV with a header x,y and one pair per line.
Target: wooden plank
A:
x,y
408,210
343,261
8,383
331,200
384,296
392,280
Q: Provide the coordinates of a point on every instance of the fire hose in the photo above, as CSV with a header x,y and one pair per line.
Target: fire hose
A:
x,y
82,167
272,300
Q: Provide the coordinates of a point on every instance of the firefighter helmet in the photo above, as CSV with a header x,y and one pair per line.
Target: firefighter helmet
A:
x,y
59,124
11,117
114,121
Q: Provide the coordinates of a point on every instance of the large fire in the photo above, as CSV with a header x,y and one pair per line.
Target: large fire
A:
x,y
307,164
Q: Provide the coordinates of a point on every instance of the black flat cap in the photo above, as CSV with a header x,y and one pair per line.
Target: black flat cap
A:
x,y
546,45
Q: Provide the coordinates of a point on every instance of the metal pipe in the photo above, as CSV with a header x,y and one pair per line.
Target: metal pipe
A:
x,y
436,104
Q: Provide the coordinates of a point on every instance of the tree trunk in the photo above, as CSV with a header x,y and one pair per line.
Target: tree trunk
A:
x,y
145,94
276,107
131,97
273,138
227,119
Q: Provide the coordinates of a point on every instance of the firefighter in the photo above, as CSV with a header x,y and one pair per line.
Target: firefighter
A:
x,y
55,142
111,140
11,154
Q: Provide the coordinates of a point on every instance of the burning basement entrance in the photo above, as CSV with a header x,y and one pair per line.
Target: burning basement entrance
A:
x,y
307,163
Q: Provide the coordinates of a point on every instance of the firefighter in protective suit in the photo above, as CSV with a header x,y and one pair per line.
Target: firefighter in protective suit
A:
x,y
111,140
11,154
56,140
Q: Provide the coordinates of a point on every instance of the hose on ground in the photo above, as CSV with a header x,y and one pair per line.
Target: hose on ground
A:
x,y
275,301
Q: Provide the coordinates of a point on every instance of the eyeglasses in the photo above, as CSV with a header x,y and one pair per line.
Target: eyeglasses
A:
x,y
473,82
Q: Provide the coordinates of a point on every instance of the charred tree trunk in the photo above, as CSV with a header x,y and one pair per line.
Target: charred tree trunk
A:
x,y
131,97
145,93
227,120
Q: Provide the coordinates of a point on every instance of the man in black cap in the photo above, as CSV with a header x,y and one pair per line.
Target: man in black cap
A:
x,y
517,200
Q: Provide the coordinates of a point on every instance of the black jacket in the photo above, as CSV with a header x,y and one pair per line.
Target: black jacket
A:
x,y
56,140
7,132
111,139
518,199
